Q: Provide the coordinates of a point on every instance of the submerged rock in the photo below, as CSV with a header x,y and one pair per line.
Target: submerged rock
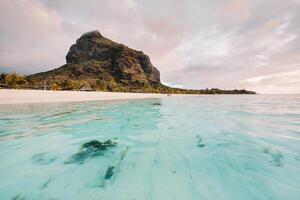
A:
x,y
18,197
123,154
95,145
112,170
200,144
156,104
46,184
91,149
109,172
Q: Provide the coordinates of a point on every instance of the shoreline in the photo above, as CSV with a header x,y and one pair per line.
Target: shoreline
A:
x,y
21,96
15,96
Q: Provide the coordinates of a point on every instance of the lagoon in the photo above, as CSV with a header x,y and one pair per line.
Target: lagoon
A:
x,y
223,147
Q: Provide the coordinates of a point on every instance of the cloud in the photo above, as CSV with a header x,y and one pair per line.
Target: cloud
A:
x,y
33,37
195,44
285,82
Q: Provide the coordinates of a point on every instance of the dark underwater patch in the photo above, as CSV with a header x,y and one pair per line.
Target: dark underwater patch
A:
x,y
112,170
199,141
201,145
109,172
18,197
43,158
156,104
93,148
297,157
275,155
61,114
46,184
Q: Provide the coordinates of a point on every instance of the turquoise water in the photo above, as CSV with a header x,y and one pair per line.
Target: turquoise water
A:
x,y
208,147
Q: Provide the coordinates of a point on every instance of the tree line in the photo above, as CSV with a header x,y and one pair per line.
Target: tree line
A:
x,y
18,81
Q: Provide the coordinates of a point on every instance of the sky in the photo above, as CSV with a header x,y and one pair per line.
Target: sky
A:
x,y
251,44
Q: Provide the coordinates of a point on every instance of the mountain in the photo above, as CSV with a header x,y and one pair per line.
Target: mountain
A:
x,y
105,65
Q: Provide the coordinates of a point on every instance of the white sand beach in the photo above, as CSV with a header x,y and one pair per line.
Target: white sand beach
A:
x,y
10,96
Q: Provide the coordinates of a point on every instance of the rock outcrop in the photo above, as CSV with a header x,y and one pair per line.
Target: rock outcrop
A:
x,y
128,64
96,58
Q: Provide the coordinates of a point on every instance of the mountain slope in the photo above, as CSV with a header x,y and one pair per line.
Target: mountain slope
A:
x,y
97,59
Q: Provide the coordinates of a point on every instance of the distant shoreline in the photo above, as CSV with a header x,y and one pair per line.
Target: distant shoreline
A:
x,y
19,96
15,96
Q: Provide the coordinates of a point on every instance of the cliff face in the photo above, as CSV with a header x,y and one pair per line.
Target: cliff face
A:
x,y
127,64
95,57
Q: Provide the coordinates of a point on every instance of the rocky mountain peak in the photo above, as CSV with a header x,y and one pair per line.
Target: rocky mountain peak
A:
x,y
128,65
91,35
